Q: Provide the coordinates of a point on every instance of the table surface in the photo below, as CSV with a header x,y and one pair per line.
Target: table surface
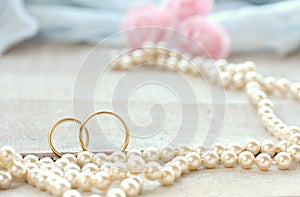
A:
x,y
43,82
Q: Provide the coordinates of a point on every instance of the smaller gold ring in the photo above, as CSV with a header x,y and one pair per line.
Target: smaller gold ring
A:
x,y
55,125
127,133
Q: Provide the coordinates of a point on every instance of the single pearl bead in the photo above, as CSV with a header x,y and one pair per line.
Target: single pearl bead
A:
x,y
118,171
30,166
47,167
295,89
282,145
283,85
134,152
199,148
70,157
183,65
90,167
100,158
294,151
221,64
139,180
224,79
71,193
17,170
31,159
72,166
295,139
172,62
116,192
60,186
126,61
168,176
228,159
152,171
210,159
87,180
151,154
135,164
5,179
238,80
102,180
237,148
246,159
117,156
283,160
184,164
194,160
7,154
167,154
84,158
130,187
61,163
218,148
263,161
176,168
72,176
265,102
265,110
252,146
45,161
182,150
268,147
41,178
269,83
249,66
253,76
138,56
31,176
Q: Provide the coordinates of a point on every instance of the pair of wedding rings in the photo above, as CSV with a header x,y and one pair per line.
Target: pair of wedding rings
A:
x,y
84,145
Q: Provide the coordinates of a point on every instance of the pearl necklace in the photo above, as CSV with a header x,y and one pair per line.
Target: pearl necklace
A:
x,y
122,174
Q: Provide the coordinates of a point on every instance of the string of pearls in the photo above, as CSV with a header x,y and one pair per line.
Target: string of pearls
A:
x,y
123,174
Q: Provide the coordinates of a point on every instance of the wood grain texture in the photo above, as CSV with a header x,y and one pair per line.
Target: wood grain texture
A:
x,y
37,82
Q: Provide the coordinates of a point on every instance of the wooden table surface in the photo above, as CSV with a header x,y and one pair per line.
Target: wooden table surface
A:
x,y
37,85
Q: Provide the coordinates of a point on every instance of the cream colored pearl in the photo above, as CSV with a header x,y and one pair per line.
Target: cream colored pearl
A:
x,y
72,176
31,159
218,148
295,89
182,150
100,158
138,56
184,164
263,161
102,180
116,192
252,146
283,160
47,166
118,171
130,187
295,139
30,166
268,147
283,85
135,164
31,176
176,168
168,176
61,163
228,159
90,167
246,159
17,169
152,171
294,151
265,102
151,154
167,154
117,156
72,166
194,160
45,161
210,159
41,178
87,180
138,179
238,80
70,157
134,152
237,148
126,61
199,148
282,145
224,79
84,158
5,179
172,62
71,193
265,110
7,154
60,186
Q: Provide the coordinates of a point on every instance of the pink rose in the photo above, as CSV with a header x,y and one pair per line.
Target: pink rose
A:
x,y
213,40
186,8
156,20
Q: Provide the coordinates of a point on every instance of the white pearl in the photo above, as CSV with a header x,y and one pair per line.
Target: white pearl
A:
x,y
246,160
152,171
168,176
17,170
135,164
294,151
210,159
117,156
283,160
71,193
70,157
7,154
72,176
194,160
31,159
167,154
5,179
263,161
130,187
151,154
102,180
268,147
86,181
60,186
253,146
228,159
182,150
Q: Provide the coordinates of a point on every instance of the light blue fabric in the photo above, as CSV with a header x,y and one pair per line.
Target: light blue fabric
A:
x,y
273,27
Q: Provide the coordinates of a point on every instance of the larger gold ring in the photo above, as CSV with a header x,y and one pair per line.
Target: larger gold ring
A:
x,y
55,125
127,134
